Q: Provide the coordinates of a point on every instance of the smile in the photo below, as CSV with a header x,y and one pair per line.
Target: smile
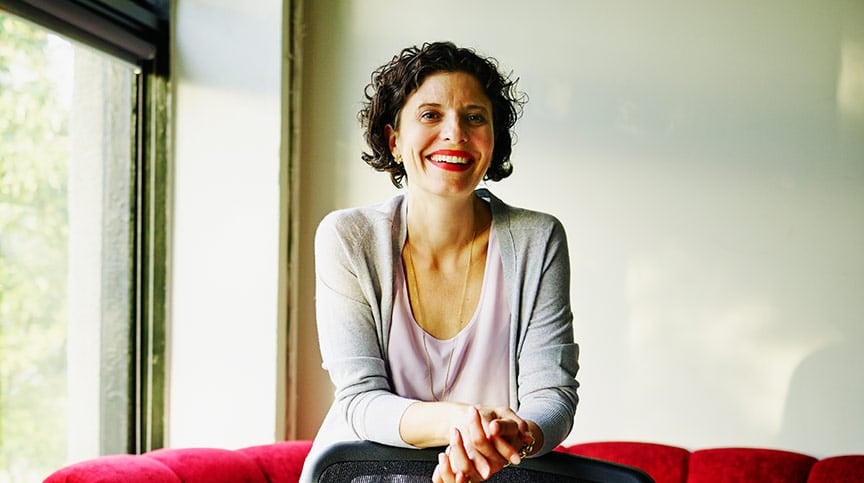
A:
x,y
451,160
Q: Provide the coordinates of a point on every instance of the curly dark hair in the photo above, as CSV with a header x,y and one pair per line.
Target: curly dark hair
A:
x,y
395,81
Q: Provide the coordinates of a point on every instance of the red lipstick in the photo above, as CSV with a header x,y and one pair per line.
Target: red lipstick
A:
x,y
451,159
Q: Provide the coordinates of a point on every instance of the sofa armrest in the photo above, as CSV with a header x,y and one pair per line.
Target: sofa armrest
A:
x,y
269,463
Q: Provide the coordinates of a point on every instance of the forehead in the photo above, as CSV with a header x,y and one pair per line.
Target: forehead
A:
x,y
458,89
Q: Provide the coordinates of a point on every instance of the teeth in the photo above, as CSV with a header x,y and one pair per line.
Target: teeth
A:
x,y
440,158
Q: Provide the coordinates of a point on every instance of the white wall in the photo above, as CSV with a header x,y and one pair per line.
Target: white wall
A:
x,y
226,66
707,160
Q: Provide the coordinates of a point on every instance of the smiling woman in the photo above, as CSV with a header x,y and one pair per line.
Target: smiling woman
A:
x,y
444,135
436,283
395,81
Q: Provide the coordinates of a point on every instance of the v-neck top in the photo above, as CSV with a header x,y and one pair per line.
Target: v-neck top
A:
x,y
472,367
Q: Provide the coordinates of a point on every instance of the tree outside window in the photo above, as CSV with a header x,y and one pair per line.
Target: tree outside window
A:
x,y
66,178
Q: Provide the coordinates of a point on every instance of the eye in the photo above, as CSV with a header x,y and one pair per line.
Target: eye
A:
x,y
429,115
476,118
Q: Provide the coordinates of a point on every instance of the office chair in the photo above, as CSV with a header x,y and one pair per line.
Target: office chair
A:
x,y
366,462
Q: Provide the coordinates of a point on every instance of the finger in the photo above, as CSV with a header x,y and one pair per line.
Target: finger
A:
x,y
475,429
508,414
506,432
462,463
487,459
457,455
479,438
508,450
505,428
506,440
514,432
436,474
443,473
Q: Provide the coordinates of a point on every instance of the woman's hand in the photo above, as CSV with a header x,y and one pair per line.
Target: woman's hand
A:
x,y
485,442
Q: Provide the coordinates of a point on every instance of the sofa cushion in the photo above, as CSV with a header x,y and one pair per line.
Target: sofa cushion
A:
x,y
666,464
280,462
849,469
209,465
110,469
748,465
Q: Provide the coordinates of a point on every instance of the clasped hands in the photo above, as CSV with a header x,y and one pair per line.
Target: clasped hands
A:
x,y
488,440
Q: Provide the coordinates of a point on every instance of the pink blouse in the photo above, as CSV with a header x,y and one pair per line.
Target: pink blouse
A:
x,y
474,366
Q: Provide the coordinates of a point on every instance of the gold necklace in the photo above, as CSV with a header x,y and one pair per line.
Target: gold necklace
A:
x,y
458,317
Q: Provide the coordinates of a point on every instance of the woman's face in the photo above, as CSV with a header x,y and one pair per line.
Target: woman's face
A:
x,y
445,135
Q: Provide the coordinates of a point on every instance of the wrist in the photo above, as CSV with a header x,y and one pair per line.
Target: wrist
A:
x,y
428,424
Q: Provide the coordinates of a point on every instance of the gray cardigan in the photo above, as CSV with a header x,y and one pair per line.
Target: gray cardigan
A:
x,y
357,252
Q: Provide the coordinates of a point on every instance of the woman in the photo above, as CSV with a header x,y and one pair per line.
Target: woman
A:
x,y
443,314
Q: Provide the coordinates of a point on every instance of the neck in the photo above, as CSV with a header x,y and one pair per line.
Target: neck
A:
x,y
437,225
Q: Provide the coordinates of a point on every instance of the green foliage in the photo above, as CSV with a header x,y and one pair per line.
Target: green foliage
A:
x,y
33,254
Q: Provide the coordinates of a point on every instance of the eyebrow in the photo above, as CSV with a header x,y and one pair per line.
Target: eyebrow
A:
x,y
438,106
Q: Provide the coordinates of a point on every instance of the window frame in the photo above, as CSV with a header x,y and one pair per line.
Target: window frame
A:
x,y
136,32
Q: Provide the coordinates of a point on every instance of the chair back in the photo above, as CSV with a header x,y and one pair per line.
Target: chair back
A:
x,y
366,462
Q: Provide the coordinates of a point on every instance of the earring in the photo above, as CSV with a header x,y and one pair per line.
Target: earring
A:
x,y
398,158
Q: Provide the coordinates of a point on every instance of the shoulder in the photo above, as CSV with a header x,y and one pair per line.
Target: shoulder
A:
x,y
360,222
521,220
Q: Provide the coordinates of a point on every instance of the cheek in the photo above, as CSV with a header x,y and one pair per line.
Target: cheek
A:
x,y
490,140
419,137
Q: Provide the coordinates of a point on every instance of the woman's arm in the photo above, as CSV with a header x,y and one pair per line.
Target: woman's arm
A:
x,y
547,354
428,424
350,257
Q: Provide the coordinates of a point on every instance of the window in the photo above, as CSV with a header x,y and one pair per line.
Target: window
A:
x,y
83,105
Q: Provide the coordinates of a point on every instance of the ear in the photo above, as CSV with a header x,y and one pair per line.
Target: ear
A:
x,y
392,138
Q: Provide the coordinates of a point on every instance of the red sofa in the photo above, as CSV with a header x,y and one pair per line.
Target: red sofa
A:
x,y
281,463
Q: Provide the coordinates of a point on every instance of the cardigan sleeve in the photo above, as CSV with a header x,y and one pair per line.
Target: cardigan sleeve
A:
x,y
349,329
547,356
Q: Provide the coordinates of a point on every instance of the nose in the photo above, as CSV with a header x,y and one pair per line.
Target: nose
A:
x,y
453,131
